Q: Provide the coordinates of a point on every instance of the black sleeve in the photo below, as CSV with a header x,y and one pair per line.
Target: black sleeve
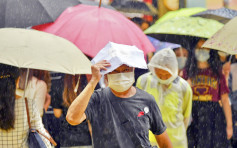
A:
x,y
93,106
157,124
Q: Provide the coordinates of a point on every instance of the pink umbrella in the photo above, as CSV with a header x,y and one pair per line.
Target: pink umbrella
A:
x,y
90,28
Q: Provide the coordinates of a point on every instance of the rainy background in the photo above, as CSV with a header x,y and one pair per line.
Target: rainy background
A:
x,y
185,26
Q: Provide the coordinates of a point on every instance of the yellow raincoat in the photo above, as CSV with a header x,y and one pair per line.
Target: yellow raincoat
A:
x,y
174,100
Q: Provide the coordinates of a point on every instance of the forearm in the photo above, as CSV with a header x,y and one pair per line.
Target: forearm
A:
x,y
186,121
227,111
79,105
163,140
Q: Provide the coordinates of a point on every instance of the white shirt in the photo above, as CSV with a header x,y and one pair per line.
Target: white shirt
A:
x,y
37,90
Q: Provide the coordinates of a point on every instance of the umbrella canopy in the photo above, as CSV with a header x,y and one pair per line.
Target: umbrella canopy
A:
x,y
25,13
135,7
191,26
93,3
161,45
90,28
180,12
222,15
38,50
225,39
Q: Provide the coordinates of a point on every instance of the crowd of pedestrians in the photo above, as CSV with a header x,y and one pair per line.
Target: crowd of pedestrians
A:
x,y
187,98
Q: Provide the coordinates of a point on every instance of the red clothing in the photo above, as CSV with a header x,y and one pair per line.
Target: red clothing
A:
x,y
206,86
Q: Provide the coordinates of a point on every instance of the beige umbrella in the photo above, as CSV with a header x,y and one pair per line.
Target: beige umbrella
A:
x,y
225,39
38,50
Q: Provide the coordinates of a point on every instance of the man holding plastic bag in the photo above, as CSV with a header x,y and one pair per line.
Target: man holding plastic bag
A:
x,y
172,93
121,115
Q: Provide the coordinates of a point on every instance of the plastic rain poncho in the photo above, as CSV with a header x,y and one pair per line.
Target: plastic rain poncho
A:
x,y
174,100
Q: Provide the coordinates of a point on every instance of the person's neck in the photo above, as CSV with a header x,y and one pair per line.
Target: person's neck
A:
x,y
126,94
203,65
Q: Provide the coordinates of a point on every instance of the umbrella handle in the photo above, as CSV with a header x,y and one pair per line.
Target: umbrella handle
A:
x,y
230,58
26,81
100,3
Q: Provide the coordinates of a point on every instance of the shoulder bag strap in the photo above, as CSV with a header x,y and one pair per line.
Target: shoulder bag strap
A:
x,y
27,111
28,118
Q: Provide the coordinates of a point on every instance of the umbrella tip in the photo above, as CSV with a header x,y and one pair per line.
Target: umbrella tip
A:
x,y
100,3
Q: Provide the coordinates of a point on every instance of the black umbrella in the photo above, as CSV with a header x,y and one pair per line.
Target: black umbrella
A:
x,y
222,15
135,7
25,13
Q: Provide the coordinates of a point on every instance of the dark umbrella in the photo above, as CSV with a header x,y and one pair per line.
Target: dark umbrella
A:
x,y
188,42
222,15
135,7
25,13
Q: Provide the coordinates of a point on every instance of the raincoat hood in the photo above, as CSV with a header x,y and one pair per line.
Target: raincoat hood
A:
x,y
165,59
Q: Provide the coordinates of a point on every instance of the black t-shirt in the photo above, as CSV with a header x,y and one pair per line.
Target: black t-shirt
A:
x,y
108,131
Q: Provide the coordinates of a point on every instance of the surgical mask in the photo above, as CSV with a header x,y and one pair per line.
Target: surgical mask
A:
x,y
181,62
222,54
166,82
121,82
202,55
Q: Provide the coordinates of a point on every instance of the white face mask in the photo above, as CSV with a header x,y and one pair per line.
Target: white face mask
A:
x,y
181,62
121,82
166,82
202,55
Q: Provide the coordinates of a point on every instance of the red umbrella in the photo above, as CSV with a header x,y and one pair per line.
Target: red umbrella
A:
x,y
90,28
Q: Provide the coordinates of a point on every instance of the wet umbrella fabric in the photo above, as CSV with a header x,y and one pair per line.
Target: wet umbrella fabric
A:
x,y
90,28
161,45
180,12
33,49
222,15
225,39
190,26
135,7
25,13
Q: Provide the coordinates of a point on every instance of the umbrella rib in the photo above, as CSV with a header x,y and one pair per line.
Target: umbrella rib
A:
x,y
39,1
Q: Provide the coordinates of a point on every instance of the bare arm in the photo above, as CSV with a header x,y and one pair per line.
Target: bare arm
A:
x,y
228,115
163,140
47,102
74,115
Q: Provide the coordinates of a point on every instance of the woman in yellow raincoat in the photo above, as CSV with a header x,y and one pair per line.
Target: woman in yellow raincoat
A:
x,y
172,93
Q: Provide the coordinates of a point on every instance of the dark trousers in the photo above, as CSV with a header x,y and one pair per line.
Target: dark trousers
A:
x,y
208,127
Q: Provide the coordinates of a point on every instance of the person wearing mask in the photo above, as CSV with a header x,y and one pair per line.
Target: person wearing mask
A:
x,y
182,56
211,124
172,93
71,136
121,115
14,129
